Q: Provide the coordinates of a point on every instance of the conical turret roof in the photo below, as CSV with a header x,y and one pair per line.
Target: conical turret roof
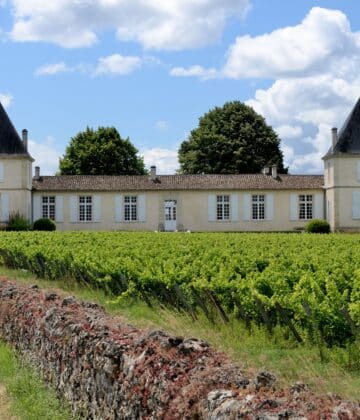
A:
x,y
10,142
349,135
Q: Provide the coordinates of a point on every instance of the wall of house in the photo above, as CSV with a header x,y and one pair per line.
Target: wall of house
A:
x,y
15,187
342,184
193,210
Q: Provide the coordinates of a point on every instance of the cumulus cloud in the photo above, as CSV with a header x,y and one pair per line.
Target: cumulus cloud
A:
x,y
289,131
195,71
313,105
5,99
317,84
322,42
165,160
161,24
51,69
46,155
117,64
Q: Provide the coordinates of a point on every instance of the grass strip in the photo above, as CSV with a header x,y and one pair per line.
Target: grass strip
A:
x,y
29,397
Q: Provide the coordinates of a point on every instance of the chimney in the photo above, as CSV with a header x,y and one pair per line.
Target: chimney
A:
x,y
334,137
153,173
266,170
25,138
37,172
274,171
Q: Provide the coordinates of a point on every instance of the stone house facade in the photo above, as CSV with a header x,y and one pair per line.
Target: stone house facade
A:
x,y
243,202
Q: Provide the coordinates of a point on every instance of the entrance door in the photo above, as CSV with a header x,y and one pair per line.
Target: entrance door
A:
x,y
170,215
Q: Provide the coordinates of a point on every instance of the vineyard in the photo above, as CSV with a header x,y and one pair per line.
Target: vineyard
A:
x,y
310,284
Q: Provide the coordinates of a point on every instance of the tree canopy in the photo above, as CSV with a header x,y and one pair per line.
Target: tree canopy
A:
x,y
231,139
101,152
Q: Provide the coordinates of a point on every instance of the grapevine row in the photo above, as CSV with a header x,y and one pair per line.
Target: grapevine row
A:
x,y
307,282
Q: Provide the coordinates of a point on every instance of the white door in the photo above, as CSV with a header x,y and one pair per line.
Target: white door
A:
x,y
170,215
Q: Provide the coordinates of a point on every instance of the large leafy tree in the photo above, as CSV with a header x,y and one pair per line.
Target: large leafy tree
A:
x,y
101,152
232,139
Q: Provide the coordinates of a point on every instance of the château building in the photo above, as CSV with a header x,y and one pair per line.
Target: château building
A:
x,y
243,202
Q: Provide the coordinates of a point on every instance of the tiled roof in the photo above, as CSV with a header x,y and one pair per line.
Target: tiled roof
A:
x,y
10,142
177,182
349,135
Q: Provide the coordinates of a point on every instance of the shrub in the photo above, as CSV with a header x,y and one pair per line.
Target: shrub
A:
x,y
318,226
17,222
44,224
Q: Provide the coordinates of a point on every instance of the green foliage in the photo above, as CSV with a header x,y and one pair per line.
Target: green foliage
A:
x,y
17,223
31,399
228,140
44,224
101,152
318,226
263,278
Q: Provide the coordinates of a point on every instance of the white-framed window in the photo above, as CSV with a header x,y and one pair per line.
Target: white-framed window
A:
x,y
85,208
258,207
305,206
130,208
48,207
222,207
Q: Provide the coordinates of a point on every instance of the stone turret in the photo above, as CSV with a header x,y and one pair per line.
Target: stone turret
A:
x,y
15,170
342,174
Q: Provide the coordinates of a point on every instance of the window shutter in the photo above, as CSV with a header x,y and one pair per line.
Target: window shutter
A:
x,y
118,208
5,207
234,203
1,171
211,207
97,208
246,207
269,206
319,206
59,208
294,207
142,207
356,205
358,170
37,214
73,208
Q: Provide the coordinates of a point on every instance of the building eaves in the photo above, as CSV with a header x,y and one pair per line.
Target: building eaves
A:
x,y
177,182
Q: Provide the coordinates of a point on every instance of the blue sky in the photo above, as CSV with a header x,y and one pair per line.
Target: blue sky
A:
x,y
151,68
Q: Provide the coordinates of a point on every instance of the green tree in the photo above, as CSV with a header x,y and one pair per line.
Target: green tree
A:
x,y
101,152
228,140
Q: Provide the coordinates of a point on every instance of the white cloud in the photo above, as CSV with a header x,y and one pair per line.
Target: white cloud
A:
x,y
322,42
161,24
165,160
5,99
162,125
117,64
46,155
195,71
51,69
313,105
316,65
288,131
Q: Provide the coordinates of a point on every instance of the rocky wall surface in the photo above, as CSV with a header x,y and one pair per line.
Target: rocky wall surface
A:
x,y
107,369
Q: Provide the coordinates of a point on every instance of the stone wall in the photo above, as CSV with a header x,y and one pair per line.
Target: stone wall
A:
x,y
107,369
